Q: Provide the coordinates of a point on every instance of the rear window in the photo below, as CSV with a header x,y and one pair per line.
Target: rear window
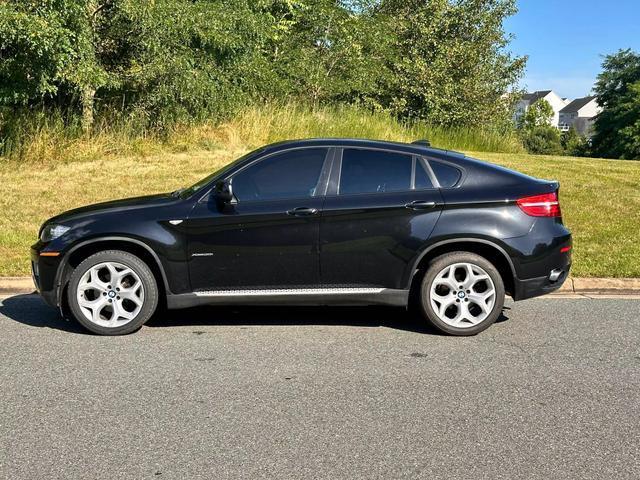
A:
x,y
372,171
447,175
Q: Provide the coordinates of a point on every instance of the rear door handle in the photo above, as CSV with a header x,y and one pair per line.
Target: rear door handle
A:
x,y
302,211
420,205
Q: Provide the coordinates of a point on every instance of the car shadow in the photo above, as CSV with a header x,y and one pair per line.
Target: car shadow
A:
x,y
31,310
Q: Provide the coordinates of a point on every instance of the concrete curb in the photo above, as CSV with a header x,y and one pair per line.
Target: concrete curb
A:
x,y
595,286
13,285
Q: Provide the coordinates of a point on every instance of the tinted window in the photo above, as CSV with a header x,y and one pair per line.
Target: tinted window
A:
x,y
293,174
447,175
422,178
371,171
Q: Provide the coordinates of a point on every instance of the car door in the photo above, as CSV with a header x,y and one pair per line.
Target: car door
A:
x,y
381,208
268,236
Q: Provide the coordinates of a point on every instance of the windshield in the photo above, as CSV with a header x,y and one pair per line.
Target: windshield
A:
x,y
186,192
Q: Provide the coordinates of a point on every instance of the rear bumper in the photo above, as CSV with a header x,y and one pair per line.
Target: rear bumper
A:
x,y
541,259
535,287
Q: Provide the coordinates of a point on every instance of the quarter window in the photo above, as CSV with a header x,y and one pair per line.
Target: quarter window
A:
x,y
447,175
292,174
372,171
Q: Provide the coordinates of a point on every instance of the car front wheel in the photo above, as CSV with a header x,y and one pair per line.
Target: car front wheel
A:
x,y
112,293
462,293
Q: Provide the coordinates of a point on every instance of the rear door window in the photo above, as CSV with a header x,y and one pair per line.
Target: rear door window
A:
x,y
422,180
374,171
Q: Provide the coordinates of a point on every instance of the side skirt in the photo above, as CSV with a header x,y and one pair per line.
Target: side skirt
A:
x,y
292,296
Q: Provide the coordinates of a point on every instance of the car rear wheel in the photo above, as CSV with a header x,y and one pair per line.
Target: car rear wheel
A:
x,y
112,293
462,293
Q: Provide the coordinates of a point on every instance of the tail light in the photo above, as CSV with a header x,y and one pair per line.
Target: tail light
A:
x,y
546,205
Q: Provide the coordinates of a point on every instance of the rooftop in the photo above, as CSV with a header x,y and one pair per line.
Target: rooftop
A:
x,y
577,104
535,96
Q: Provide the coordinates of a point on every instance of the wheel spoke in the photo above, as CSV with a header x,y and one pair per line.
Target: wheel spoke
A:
x,y
133,294
97,310
122,313
123,274
463,314
444,305
93,304
447,278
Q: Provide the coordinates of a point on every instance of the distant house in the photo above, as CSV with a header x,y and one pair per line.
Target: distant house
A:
x,y
579,114
557,103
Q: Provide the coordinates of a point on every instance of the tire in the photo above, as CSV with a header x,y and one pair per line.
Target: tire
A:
x,y
112,293
465,311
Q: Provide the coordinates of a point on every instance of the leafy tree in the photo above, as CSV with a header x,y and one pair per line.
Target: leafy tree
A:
x,y
328,52
574,144
164,61
617,127
538,135
543,140
539,113
174,56
449,64
47,50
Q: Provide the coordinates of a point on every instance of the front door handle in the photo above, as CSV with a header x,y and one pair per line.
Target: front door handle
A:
x,y
302,211
420,205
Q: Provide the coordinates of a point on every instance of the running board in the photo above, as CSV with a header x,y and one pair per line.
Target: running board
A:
x,y
292,296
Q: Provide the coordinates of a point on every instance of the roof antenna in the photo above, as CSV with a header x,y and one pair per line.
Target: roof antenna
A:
x,y
424,143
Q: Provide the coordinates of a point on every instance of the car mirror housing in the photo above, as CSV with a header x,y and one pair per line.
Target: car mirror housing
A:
x,y
223,192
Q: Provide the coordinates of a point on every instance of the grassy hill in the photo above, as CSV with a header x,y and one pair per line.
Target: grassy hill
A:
x,y
600,198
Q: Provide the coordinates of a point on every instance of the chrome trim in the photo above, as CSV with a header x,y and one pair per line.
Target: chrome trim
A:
x,y
288,291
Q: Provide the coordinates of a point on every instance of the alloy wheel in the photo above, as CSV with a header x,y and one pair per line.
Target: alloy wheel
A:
x,y
110,294
462,295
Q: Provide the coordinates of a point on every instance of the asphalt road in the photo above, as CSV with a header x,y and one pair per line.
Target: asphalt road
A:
x,y
551,391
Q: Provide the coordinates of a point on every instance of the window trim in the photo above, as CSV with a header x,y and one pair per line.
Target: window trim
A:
x,y
427,168
321,186
333,187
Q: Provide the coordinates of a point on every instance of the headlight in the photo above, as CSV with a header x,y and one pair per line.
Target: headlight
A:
x,y
52,231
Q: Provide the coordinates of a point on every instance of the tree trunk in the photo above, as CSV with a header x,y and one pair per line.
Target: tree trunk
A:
x,y
86,99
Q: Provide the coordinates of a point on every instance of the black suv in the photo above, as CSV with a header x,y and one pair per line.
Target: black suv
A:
x,y
314,222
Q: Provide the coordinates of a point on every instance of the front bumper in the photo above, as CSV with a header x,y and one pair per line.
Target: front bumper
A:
x,y
44,271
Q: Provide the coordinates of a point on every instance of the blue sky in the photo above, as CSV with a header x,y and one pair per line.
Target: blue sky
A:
x,y
565,40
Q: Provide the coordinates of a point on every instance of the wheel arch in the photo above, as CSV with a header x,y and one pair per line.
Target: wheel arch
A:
x,y
83,250
485,248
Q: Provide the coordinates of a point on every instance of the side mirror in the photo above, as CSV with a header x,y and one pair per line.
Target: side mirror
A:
x,y
223,192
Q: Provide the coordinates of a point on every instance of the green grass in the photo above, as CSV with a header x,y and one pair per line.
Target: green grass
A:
x,y
600,202
600,198
47,138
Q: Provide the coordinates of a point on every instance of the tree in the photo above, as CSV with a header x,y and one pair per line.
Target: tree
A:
x,y
166,61
538,135
539,113
542,140
617,127
48,49
574,144
328,50
449,62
